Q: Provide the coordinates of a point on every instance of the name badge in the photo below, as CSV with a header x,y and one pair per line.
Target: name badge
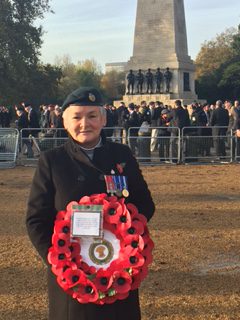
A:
x,y
87,221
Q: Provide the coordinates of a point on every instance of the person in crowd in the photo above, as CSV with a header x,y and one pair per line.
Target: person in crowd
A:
x,y
22,126
122,114
33,122
219,120
110,120
207,132
179,120
68,173
164,135
233,127
132,122
155,119
144,133
44,120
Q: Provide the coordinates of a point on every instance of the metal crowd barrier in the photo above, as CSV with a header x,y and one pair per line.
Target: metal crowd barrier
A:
x,y
154,146
8,147
206,144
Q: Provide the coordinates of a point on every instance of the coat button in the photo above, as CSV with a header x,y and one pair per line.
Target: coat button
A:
x,y
80,178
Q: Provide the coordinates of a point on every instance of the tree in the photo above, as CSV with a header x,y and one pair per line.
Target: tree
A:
x,y
85,73
113,84
20,43
214,53
218,67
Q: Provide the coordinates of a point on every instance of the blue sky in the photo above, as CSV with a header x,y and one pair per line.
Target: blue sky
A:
x,y
104,29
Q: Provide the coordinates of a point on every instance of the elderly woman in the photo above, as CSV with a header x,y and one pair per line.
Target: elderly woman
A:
x,y
70,172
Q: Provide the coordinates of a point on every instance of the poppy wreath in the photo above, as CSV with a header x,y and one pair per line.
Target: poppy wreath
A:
x,y
90,284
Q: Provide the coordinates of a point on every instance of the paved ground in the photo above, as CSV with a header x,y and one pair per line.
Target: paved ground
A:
x,y
196,268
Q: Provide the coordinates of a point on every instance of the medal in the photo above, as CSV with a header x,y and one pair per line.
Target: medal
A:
x,y
125,193
117,185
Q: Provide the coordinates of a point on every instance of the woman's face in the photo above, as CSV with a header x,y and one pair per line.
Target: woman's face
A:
x,y
84,124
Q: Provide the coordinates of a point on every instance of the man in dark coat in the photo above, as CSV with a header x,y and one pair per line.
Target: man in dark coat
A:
x,y
70,172
219,120
179,120
33,121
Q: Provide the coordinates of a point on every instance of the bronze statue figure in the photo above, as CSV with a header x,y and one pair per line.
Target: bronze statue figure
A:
x,y
140,80
158,79
149,79
168,78
130,82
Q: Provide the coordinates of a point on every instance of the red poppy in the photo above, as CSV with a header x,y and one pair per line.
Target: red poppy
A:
x,y
135,241
122,282
62,266
119,168
141,217
132,258
85,200
98,198
62,226
86,292
61,243
75,249
112,211
73,277
136,227
136,281
112,199
132,210
55,258
103,280
71,204
60,215
147,254
86,268
124,221
117,264
148,243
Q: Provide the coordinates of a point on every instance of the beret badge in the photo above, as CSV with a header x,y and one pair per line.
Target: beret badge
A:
x,y
91,97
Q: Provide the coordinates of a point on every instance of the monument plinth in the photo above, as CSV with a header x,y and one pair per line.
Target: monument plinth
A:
x,y
160,41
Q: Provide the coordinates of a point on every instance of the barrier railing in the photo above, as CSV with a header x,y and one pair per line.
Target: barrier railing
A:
x,y
156,145
206,144
8,147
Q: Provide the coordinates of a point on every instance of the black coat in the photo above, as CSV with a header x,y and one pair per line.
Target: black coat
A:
x,y
219,118
66,174
179,119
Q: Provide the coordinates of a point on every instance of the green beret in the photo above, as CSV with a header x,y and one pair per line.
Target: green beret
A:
x,y
84,96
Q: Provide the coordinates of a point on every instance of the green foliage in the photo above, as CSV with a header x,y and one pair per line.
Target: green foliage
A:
x,y
218,67
20,43
214,53
113,84
85,73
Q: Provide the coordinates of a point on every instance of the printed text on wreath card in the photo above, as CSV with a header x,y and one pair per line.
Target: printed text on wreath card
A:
x,y
86,224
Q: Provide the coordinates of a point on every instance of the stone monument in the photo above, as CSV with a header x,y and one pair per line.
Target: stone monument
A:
x,y
160,41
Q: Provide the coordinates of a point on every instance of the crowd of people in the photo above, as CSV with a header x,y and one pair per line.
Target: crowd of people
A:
x,y
156,122
214,122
